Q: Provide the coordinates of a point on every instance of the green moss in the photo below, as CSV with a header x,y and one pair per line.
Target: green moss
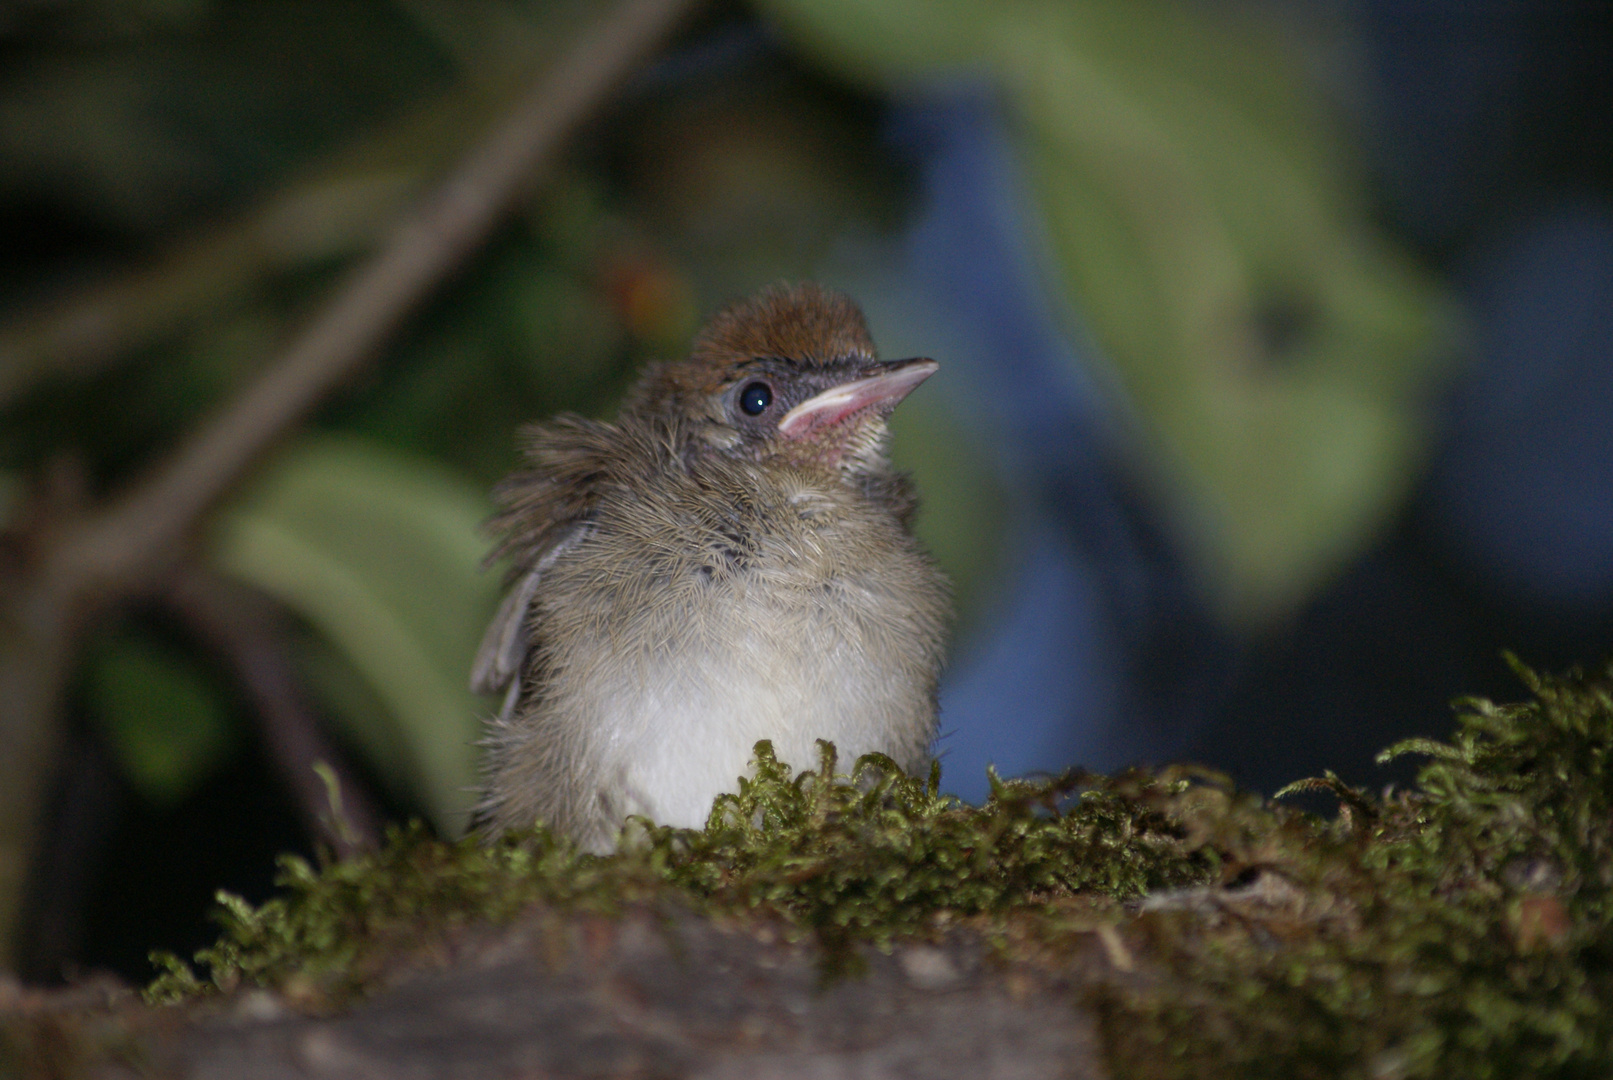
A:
x,y
1457,929
867,856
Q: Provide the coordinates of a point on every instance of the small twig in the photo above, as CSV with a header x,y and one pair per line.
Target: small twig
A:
x,y
249,634
88,331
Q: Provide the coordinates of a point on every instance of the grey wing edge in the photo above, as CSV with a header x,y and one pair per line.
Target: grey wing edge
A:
x,y
502,657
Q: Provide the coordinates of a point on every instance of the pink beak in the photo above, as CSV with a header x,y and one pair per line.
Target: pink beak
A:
x,y
883,391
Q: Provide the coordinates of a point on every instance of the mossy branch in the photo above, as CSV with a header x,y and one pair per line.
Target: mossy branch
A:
x,y
1458,928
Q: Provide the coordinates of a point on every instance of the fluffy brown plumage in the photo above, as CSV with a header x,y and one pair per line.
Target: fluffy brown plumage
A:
x,y
729,561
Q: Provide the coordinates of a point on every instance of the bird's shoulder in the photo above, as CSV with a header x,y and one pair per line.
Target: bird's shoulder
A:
x,y
546,509
604,511
573,465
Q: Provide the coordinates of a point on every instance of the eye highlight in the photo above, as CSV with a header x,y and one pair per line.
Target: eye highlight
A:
x,y
754,398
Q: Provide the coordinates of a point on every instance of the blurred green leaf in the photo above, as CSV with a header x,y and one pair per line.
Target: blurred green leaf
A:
x,y
96,21
487,39
164,720
379,552
144,130
1208,223
563,333
366,721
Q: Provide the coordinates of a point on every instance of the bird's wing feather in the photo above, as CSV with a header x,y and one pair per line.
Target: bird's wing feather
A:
x,y
546,512
503,651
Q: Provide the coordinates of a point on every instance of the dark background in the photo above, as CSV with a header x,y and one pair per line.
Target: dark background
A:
x,y
1094,626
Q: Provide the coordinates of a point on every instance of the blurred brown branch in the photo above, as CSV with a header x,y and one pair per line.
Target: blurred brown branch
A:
x,y
85,565
337,209
249,633
89,330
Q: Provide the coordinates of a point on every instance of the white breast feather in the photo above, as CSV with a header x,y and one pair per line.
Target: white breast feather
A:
x,y
677,733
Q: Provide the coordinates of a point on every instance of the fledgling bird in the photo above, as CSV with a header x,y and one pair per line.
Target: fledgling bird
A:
x,y
731,560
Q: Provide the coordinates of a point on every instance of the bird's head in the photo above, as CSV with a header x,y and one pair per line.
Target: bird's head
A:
x,y
789,375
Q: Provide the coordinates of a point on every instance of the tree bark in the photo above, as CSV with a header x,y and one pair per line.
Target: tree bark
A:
x,y
656,993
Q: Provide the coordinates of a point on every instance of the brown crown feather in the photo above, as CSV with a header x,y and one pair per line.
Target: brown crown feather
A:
x,y
806,323
803,322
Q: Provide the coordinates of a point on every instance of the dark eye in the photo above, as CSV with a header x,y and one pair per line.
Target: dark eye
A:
x,y
755,398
